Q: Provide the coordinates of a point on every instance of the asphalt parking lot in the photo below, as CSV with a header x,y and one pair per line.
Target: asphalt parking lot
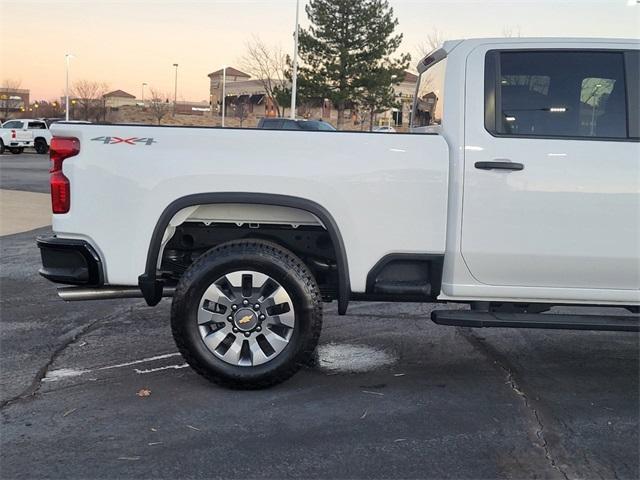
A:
x,y
97,390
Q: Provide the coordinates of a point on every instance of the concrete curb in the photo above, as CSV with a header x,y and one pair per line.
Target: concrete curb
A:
x,y
23,211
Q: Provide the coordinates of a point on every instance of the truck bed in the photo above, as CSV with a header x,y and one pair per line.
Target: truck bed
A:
x,y
388,191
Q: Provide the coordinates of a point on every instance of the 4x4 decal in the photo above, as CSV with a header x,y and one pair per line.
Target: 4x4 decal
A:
x,y
125,141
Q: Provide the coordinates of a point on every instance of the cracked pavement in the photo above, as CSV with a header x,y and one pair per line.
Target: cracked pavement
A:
x,y
391,396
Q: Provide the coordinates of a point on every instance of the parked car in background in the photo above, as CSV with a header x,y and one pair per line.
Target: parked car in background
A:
x,y
13,137
16,135
384,129
299,124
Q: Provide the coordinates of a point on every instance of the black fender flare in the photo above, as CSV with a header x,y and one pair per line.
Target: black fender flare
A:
x,y
151,287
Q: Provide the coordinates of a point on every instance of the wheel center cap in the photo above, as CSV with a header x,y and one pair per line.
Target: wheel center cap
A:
x,y
245,320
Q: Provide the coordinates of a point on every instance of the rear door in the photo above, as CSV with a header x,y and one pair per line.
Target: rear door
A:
x,y
23,134
552,168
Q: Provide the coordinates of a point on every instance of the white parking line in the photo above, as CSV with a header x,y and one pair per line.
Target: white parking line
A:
x,y
151,370
62,373
144,360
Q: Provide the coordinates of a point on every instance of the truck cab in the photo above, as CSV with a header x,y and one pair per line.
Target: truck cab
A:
x,y
544,198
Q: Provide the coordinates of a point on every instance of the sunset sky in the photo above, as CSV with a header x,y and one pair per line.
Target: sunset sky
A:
x,y
125,43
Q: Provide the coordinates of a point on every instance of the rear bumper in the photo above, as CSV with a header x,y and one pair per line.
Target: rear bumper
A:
x,y
72,262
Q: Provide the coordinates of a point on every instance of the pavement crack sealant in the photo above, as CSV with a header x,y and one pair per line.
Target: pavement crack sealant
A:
x,y
497,359
69,339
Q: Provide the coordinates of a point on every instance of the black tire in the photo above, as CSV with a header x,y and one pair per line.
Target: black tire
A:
x,y
16,150
41,146
1,147
260,256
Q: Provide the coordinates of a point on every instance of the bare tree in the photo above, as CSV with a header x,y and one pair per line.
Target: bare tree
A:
x,y
433,41
88,95
50,109
10,86
267,64
241,109
509,31
159,105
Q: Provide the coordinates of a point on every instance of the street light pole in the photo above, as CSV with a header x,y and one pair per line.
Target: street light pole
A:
x,y
67,57
224,91
175,90
144,84
294,77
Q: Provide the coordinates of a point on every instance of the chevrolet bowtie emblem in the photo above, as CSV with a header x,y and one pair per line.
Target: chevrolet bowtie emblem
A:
x,y
244,320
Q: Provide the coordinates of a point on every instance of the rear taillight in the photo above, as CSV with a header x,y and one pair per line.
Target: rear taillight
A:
x,y
13,134
61,148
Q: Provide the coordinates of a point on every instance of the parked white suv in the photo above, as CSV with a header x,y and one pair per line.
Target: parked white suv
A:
x,y
524,197
16,135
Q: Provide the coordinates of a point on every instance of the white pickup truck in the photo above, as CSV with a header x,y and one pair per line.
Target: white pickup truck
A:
x,y
518,190
16,135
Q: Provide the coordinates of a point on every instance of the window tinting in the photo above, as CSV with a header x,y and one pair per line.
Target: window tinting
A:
x,y
315,125
290,125
37,125
567,94
13,124
271,123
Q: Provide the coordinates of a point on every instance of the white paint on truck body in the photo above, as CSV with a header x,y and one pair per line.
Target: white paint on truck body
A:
x,y
565,229
387,193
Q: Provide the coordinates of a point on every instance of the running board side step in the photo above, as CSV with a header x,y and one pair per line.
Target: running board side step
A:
x,y
469,318
77,294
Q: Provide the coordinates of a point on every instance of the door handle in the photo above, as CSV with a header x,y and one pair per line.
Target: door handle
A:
x,y
499,165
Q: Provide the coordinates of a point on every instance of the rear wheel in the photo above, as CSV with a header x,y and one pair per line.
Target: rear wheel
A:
x,y
247,314
41,146
1,147
16,150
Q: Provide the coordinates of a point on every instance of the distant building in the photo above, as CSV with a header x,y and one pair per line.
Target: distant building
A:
x,y
13,100
405,90
118,98
241,90
192,108
248,96
427,109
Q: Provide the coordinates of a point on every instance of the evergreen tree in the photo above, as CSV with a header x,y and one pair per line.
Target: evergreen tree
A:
x,y
347,53
377,94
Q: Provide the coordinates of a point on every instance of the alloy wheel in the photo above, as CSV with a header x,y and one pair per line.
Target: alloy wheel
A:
x,y
246,318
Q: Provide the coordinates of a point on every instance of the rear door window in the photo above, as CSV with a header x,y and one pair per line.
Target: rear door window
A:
x,y
290,125
272,123
37,126
559,94
324,126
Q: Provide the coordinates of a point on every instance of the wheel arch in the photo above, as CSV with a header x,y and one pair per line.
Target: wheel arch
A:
x,y
151,287
41,139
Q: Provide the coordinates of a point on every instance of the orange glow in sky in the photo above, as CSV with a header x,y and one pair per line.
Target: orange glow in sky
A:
x,y
126,43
